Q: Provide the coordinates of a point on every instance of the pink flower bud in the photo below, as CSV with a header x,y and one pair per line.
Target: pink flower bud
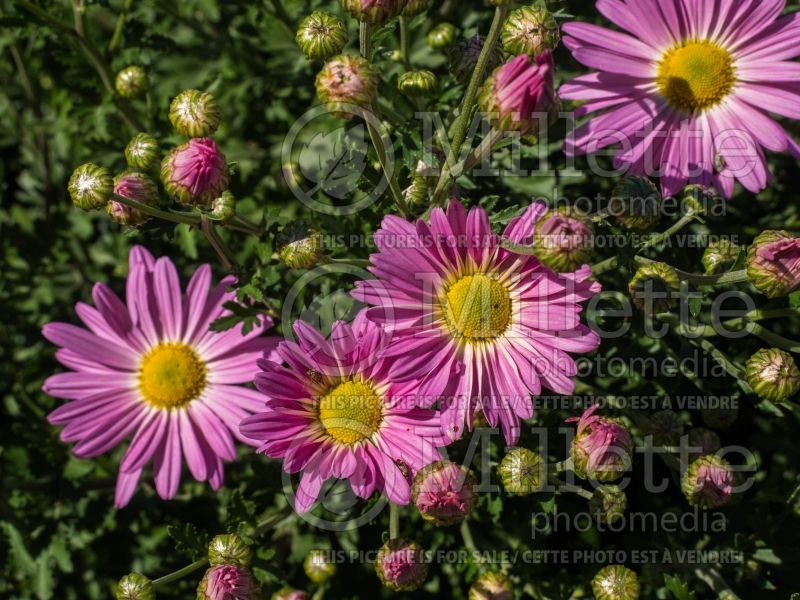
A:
x,y
228,582
376,12
443,493
133,186
196,172
347,80
602,446
289,594
708,482
773,263
400,565
564,239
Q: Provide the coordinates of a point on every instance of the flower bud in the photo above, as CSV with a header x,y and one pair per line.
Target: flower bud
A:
x,y
194,113
132,82
491,585
299,245
135,586
318,566
401,565
702,441
563,239
90,186
416,194
666,428
223,208
773,375
347,80
417,83
530,30
520,95
601,448
229,549
321,35
415,7
195,173
443,493
289,594
463,57
657,283
608,504
773,263
720,418
375,12
708,482
142,151
228,582
720,256
636,203
133,186
615,582
522,472
699,198
441,36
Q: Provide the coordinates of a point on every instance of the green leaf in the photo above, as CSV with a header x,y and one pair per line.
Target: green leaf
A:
x,y
189,540
678,588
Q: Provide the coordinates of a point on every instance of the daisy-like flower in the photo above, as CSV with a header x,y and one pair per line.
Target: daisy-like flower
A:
x,y
332,411
479,326
687,87
152,369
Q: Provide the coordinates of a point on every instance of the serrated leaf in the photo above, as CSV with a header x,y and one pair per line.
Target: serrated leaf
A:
x,y
189,540
678,588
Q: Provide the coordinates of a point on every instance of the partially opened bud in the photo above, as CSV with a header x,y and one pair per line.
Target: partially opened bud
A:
x,y
615,582
522,472
492,585
132,82
702,441
443,493
228,582
135,586
417,83
636,203
133,186
318,566
608,504
415,7
563,239
602,446
90,186
229,549
376,12
720,256
708,482
401,565
299,245
773,263
530,30
773,374
142,151
655,287
442,36
194,113
289,594
195,173
347,80
463,57
321,35
666,428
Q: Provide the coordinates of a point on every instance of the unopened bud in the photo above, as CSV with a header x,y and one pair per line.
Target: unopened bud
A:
x,y
347,80
417,83
720,256
287,593
522,472
229,549
564,239
194,113
773,263
401,565
142,151
773,375
615,582
135,587
133,186
132,82
90,186
223,208
636,203
708,482
195,173
321,35
375,12
657,285
228,582
442,36
415,7
530,30
318,566
299,245
443,493
492,585
608,504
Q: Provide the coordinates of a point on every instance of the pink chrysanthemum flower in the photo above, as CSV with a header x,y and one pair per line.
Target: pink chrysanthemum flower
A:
x,y
687,88
477,325
333,412
602,446
152,369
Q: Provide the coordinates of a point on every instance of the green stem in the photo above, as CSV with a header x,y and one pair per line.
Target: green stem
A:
x,y
562,486
721,279
239,222
394,521
394,187
773,338
116,38
175,217
404,43
466,536
365,40
730,367
175,575
690,216
608,264
462,123
221,248
715,581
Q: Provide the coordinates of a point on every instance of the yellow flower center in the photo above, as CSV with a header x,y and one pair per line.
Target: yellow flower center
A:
x,y
171,375
351,412
696,75
477,307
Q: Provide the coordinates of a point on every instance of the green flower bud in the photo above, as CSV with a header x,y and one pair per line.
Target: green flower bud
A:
x,y
608,504
142,151
666,428
416,194
773,375
441,36
636,203
299,245
194,113
720,256
321,35
345,80
773,263
90,186
417,83
699,198
415,7
708,482
318,566
615,582
135,586
564,239
401,565
704,440
223,208
133,186
719,418
522,472
530,30
229,549
492,585
655,282
132,82
463,57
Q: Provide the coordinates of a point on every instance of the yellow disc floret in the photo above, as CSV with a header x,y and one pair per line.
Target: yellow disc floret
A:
x,y
351,412
696,75
171,375
477,307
